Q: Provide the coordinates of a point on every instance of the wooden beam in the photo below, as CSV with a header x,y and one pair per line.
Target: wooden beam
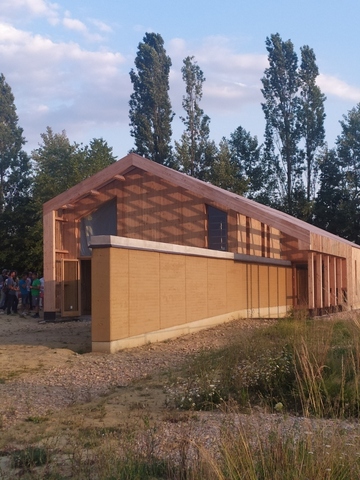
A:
x,y
319,302
339,281
95,193
326,285
295,292
68,206
311,280
119,177
332,269
49,262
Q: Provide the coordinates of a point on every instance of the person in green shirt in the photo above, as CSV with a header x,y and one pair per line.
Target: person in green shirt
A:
x,y
35,294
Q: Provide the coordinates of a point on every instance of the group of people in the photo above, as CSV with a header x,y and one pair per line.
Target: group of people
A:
x,y
29,288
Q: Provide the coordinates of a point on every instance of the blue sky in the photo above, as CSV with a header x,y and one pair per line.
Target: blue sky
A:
x,y
68,62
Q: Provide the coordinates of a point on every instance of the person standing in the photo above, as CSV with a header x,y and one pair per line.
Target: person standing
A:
x,y
3,295
29,283
12,301
35,294
42,284
24,296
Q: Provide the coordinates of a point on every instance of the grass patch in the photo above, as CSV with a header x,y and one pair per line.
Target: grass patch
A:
x,y
29,458
35,419
310,367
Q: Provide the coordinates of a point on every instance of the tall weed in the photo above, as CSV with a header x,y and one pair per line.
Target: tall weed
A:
x,y
310,367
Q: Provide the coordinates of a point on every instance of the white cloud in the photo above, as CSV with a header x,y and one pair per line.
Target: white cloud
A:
x,y
18,9
334,86
102,26
74,24
79,27
62,84
232,79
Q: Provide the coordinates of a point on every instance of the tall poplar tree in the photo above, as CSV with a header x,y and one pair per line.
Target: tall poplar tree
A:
x,y
191,151
150,108
281,106
311,117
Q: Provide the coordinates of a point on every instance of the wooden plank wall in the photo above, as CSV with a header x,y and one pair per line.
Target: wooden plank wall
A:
x,y
150,208
256,238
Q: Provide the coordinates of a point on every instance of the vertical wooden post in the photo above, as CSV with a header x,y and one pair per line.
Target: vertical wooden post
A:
x,y
332,268
311,280
49,264
319,281
326,281
295,293
339,281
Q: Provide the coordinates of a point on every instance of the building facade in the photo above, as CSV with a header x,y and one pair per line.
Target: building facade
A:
x,y
152,253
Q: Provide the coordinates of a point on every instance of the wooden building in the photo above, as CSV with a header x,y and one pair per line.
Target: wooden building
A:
x,y
151,253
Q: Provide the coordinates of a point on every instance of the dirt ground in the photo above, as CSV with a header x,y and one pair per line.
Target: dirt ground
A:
x,y
24,343
53,386
50,367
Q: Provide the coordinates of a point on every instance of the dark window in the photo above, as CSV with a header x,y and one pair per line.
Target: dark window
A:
x,y
100,222
217,229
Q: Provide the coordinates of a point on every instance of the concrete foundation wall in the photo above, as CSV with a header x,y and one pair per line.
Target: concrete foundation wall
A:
x,y
145,295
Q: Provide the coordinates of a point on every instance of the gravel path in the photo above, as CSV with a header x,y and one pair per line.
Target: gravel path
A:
x,y
60,377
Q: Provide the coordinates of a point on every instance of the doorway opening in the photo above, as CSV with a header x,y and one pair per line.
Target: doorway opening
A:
x,y
85,267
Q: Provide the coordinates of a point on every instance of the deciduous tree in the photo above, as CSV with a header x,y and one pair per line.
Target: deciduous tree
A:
x,y
246,154
17,212
333,209
225,170
11,140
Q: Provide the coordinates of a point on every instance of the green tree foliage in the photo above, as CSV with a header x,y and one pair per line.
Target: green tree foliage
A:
x,y
246,154
333,211
311,117
11,141
59,165
337,207
294,135
97,156
348,151
225,172
17,212
281,107
150,108
21,248
191,151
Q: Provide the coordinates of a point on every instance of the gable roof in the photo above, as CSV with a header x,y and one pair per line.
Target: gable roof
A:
x,y
212,194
